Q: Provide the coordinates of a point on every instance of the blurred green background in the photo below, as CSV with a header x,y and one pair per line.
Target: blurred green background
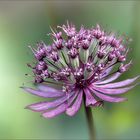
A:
x,y
23,23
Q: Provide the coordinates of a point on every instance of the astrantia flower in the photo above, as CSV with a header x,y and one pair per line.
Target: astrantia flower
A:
x,y
81,65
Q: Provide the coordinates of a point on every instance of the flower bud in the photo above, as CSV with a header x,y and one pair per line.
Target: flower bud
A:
x,y
45,74
73,53
100,54
121,58
59,44
124,67
38,79
41,65
54,56
85,44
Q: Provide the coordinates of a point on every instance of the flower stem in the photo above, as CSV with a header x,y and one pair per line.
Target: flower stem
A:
x,y
90,122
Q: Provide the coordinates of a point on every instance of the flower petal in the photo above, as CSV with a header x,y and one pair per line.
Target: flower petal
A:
x,y
60,109
46,88
113,91
107,72
110,79
48,94
90,100
119,84
72,98
41,106
75,107
108,98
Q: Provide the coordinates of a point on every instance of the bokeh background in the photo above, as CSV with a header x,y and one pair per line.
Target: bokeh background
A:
x,y
24,23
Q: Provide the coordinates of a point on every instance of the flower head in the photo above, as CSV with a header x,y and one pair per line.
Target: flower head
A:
x,y
79,64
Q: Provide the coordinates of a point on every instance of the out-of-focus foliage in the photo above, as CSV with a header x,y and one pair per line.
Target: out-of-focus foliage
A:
x,y
23,23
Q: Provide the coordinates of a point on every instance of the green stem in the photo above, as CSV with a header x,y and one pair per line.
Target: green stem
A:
x,y
90,122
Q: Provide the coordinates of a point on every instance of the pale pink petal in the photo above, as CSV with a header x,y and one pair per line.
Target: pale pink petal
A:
x,y
44,94
44,87
110,79
108,98
70,100
113,91
107,72
41,106
54,112
90,100
76,106
119,84
60,109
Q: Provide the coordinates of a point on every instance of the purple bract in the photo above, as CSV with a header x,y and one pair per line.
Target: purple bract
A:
x,y
79,65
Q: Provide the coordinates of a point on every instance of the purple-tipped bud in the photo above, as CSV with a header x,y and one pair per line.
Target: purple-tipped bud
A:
x,y
70,30
54,56
42,52
65,72
102,40
101,67
113,41
37,72
42,48
78,73
121,58
85,44
69,44
45,74
73,53
49,49
124,67
117,53
41,65
101,54
111,56
97,32
55,76
39,56
89,37
89,67
38,79
57,35
59,44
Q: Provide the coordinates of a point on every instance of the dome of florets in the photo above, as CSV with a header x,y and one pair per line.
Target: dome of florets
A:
x,y
79,63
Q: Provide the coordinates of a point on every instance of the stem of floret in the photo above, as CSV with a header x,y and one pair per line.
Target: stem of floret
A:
x,y
90,121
